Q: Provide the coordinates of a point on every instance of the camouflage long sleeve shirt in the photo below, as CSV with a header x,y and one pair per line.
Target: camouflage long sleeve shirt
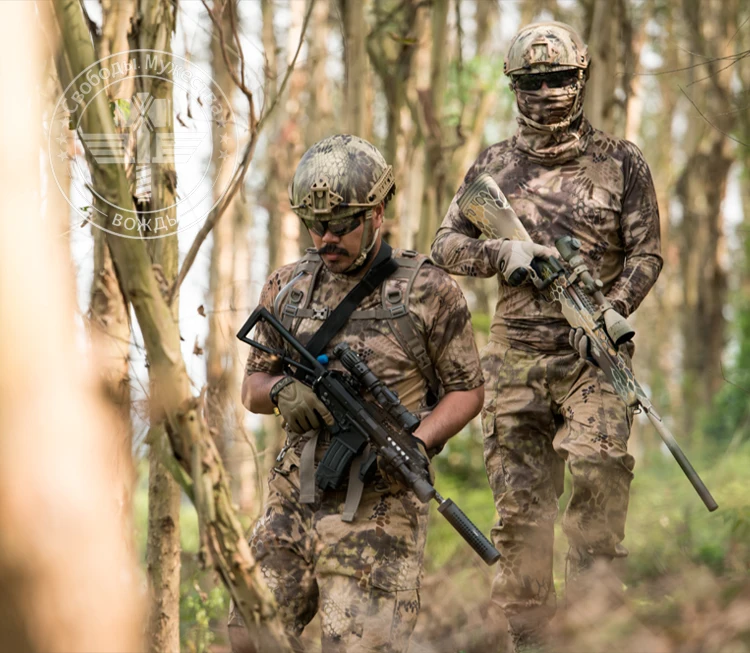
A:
x,y
604,197
437,307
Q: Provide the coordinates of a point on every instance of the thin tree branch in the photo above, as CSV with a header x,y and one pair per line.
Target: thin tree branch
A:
x,y
239,175
702,115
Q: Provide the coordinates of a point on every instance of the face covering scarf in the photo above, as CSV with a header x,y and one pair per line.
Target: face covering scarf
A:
x,y
546,134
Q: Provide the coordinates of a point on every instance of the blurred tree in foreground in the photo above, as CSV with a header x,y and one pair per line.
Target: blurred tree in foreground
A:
x,y
69,579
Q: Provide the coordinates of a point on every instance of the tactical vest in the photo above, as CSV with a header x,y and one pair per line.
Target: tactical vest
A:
x,y
395,292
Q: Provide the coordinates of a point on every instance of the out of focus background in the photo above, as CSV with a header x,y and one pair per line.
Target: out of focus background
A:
x,y
421,79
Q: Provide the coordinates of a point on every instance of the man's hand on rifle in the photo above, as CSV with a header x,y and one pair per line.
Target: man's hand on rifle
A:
x,y
515,256
394,480
581,344
299,406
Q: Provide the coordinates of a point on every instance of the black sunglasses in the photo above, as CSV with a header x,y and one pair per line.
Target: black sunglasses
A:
x,y
337,228
557,79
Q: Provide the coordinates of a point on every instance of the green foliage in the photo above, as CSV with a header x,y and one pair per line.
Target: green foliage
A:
x,y
465,80
481,322
443,542
120,110
729,419
201,614
668,527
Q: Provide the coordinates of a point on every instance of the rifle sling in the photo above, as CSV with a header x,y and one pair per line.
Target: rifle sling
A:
x,y
382,267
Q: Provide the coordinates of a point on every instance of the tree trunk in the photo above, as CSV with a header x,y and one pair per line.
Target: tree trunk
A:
x,y
430,91
391,49
109,319
195,462
284,150
609,34
411,196
319,107
700,191
69,582
154,26
229,277
355,58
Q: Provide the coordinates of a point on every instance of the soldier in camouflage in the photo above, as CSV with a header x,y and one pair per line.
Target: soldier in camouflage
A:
x,y
544,405
362,575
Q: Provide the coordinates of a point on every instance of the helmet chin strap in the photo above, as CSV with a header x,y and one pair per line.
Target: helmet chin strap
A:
x,y
364,250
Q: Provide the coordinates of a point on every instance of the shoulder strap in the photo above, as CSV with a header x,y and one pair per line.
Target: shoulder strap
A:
x,y
382,267
402,324
310,264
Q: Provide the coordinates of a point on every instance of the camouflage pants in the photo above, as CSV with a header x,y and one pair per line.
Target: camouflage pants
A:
x,y
362,577
542,411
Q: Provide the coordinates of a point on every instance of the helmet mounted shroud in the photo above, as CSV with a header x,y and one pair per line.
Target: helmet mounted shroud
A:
x,y
338,177
543,48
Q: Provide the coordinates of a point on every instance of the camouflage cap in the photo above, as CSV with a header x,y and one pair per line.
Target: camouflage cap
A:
x,y
545,47
338,177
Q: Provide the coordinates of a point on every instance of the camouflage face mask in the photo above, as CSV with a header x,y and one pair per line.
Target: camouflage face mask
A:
x,y
548,106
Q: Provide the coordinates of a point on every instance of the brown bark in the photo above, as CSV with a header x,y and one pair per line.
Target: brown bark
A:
x,y
609,36
319,108
409,200
356,69
196,460
69,582
430,113
700,190
391,46
153,29
108,318
285,149
229,273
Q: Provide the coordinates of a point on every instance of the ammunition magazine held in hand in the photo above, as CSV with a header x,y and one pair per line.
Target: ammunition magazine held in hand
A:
x,y
385,425
569,282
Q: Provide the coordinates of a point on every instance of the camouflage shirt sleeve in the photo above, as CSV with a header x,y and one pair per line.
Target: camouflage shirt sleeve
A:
x,y
457,247
639,222
441,306
257,360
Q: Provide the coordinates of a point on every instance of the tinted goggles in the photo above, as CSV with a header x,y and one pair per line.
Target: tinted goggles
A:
x,y
557,79
337,228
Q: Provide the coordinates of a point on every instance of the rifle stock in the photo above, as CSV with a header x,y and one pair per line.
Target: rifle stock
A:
x,y
581,303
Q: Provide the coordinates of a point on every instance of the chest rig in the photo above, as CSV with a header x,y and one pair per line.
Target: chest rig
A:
x,y
294,303
394,308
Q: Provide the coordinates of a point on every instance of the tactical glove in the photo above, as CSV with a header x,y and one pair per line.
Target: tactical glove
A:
x,y
515,256
299,406
582,345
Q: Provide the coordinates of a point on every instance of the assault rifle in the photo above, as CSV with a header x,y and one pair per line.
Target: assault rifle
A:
x,y
385,424
582,304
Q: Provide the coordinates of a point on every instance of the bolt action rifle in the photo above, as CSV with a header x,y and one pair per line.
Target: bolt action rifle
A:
x,y
581,301
385,424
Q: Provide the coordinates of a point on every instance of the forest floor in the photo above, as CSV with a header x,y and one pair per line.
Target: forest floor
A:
x,y
685,587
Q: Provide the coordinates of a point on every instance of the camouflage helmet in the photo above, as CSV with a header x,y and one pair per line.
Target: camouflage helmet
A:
x,y
338,177
546,47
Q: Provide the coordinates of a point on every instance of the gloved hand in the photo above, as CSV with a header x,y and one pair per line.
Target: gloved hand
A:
x,y
394,480
582,345
299,406
515,256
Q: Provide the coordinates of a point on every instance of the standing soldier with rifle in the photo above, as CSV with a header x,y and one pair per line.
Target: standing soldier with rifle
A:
x,y
353,551
544,404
